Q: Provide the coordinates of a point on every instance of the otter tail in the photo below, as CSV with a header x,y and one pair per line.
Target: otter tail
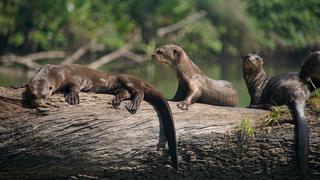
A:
x,y
302,135
166,121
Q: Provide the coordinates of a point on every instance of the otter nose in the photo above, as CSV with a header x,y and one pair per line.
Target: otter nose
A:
x,y
251,59
153,55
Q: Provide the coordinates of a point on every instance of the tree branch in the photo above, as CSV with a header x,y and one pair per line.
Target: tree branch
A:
x,y
79,53
135,57
168,29
118,53
11,59
45,55
108,58
28,60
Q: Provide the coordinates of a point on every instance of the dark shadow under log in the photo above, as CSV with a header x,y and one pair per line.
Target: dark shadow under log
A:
x,y
95,140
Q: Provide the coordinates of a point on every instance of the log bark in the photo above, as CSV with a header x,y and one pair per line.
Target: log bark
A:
x,y
92,140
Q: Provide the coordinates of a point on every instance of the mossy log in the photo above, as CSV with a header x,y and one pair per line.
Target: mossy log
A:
x,y
93,140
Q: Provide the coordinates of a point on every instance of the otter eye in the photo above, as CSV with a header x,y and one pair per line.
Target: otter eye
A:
x,y
160,52
245,57
50,88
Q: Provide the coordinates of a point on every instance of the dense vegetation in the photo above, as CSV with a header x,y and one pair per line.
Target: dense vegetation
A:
x,y
230,27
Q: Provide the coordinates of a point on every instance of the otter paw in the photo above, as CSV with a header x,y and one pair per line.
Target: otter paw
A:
x,y
183,105
132,107
72,98
116,102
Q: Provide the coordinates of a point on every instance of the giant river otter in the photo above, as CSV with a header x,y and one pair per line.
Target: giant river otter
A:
x,y
194,86
72,79
291,89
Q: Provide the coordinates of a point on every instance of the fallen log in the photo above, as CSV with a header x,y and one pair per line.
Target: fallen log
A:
x,y
92,140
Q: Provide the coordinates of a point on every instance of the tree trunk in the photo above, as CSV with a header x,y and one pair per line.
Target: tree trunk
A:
x,y
93,139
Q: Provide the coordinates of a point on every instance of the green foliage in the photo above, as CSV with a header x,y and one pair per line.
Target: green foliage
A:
x,y
314,101
231,27
287,24
245,130
276,115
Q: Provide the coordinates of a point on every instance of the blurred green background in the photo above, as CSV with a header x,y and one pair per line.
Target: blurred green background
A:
x,y
282,31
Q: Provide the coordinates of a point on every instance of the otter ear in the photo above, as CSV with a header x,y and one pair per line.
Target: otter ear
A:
x,y
244,57
176,53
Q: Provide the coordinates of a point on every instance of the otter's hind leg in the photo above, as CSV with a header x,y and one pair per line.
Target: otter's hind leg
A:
x,y
121,95
136,90
136,100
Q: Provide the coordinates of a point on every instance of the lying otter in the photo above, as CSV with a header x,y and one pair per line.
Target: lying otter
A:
x,y
287,89
194,86
72,79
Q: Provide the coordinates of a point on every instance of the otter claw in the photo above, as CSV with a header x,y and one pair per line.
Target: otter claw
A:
x,y
115,102
132,108
72,98
183,105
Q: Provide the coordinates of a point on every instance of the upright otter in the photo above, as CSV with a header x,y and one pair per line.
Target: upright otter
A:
x,y
255,77
72,79
194,86
287,89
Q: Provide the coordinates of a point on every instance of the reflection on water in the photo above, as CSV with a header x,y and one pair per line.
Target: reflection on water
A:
x,y
163,77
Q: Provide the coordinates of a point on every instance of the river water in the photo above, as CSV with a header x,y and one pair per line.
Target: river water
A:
x,y
163,77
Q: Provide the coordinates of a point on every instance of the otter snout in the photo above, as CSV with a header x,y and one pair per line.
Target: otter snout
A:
x,y
153,56
158,55
316,52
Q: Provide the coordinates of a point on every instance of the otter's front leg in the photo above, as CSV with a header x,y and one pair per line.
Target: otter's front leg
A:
x,y
121,95
72,95
136,100
193,95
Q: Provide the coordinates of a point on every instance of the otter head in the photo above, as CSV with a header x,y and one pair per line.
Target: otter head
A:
x,y
311,66
37,90
167,54
252,62
310,69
